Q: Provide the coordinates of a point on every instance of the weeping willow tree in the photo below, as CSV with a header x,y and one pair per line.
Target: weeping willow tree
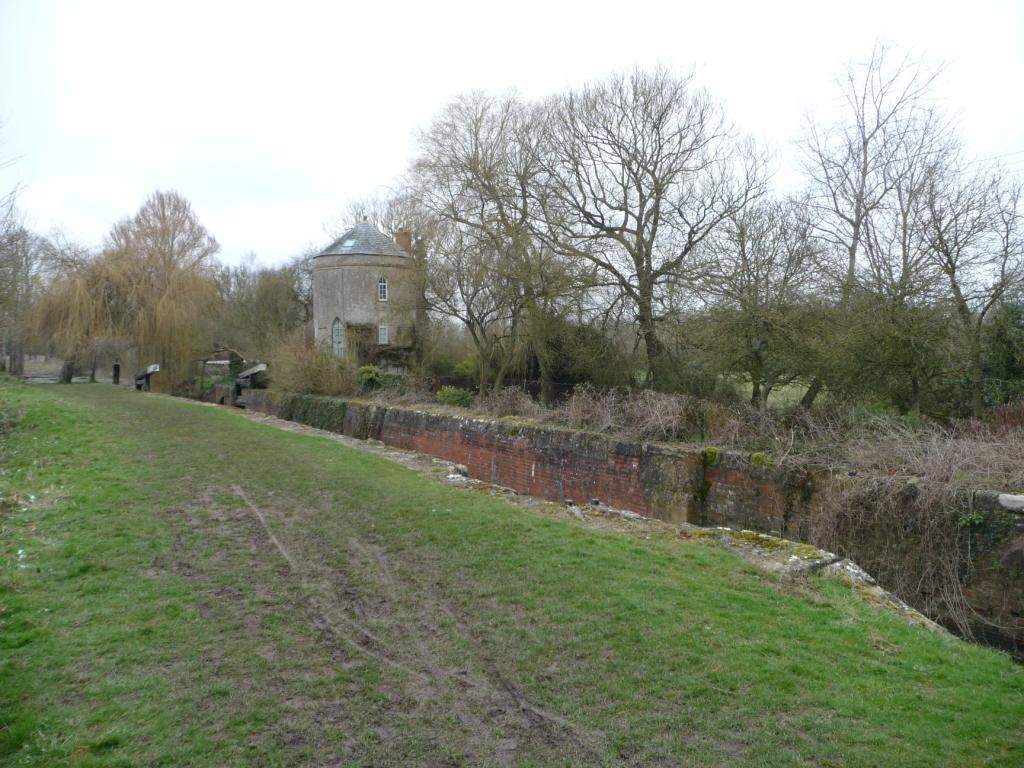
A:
x,y
151,289
67,317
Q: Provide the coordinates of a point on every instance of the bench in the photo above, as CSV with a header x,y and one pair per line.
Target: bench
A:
x,y
142,378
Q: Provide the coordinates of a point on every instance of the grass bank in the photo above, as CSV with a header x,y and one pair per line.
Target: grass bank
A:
x,y
180,585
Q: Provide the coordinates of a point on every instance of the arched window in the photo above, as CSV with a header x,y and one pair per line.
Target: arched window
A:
x,y
382,289
338,338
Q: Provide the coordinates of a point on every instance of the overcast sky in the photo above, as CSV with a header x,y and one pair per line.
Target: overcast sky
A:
x,y
269,117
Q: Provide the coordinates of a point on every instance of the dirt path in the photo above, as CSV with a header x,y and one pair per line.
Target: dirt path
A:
x,y
480,693
371,609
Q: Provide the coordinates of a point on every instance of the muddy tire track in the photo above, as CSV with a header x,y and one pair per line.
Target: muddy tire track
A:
x,y
502,719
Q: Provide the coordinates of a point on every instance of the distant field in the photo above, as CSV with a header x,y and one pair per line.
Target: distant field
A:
x,y
782,397
182,586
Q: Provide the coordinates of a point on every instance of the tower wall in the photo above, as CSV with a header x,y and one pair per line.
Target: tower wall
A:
x,y
346,287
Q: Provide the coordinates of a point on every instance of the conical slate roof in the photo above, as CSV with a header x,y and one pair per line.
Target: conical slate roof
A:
x,y
363,239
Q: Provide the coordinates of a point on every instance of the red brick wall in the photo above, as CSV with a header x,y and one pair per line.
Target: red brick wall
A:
x,y
667,482
551,470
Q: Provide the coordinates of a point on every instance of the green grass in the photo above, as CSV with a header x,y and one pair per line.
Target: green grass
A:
x,y
151,620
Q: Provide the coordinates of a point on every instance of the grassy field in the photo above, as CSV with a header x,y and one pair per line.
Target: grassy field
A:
x,y
182,586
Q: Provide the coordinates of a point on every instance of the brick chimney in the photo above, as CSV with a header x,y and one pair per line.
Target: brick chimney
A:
x,y
403,238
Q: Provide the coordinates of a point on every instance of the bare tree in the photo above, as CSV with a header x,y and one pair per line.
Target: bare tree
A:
x,y
7,199
478,176
853,165
465,282
857,164
976,234
393,211
166,232
259,307
896,248
302,268
760,271
22,255
640,169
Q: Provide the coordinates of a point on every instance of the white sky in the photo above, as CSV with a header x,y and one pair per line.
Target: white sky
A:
x,y
269,117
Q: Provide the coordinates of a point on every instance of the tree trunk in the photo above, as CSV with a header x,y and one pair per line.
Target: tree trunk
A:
x,y
16,365
547,387
499,376
92,371
67,370
482,383
915,395
851,264
547,384
655,350
811,394
977,380
485,370
14,355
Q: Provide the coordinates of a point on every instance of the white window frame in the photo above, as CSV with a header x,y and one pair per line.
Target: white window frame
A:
x,y
382,289
383,334
338,337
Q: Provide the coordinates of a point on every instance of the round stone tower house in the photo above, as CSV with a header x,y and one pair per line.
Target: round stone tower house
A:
x,y
366,297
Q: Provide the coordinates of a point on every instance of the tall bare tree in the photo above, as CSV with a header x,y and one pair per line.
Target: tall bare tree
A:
x,y
640,169
22,261
855,163
478,175
466,282
865,171
976,233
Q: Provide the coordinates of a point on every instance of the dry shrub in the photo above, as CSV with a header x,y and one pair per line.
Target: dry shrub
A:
x,y
966,453
643,415
818,438
910,536
299,366
510,401
740,426
1009,416
405,389
907,515
590,409
653,415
